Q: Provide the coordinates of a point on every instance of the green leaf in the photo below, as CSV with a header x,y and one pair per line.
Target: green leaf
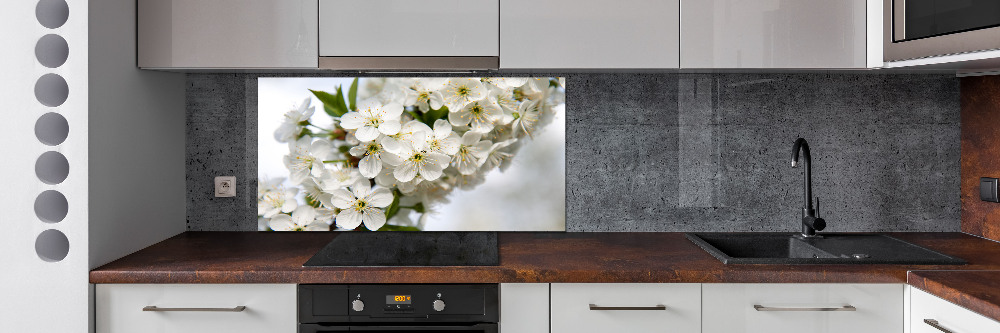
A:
x,y
390,227
431,115
329,103
394,206
340,100
416,115
352,94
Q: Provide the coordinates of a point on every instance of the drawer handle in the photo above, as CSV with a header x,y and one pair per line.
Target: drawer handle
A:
x,y
937,325
759,307
233,309
627,308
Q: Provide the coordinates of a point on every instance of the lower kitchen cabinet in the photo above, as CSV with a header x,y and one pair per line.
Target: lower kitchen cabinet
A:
x,y
802,308
196,308
524,308
626,307
930,314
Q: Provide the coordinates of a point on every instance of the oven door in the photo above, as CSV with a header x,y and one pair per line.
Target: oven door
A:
x,y
927,28
472,328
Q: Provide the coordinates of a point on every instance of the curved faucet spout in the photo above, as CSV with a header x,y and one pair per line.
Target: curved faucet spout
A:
x,y
810,222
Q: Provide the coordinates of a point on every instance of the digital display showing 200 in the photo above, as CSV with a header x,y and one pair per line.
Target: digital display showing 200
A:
x,y
397,299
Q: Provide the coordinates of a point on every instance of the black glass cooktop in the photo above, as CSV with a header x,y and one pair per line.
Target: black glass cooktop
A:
x,y
418,248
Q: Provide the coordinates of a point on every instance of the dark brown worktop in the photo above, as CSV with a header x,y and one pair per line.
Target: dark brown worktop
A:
x,y
276,257
978,291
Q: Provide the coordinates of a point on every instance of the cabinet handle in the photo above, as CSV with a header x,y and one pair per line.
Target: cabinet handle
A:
x,y
759,307
935,324
233,309
628,308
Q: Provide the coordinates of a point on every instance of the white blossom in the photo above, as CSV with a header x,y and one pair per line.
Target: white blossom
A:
x,y
496,155
361,205
273,198
373,118
442,139
372,156
291,126
459,92
425,93
302,219
470,152
306,158
418,160
480,114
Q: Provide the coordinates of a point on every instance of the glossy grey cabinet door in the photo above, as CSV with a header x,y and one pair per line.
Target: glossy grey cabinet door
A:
x,y
409,28
222,34
774,34
589,34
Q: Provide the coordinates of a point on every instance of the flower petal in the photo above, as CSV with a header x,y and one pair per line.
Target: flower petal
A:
x,y
374,218
317,226
390,127
392,111
380,197
352,120
349,219
366,133
281,222
370,166
390,158
405,172
430,171
361,188
342,198
442,128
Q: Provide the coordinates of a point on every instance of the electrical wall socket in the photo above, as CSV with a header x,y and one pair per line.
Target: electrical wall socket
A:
x,y
225,186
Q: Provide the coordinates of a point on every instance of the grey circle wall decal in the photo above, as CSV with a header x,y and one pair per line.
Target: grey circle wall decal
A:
x,y
52,13
51,129
51,206
51,90
52,245
51,51
52,167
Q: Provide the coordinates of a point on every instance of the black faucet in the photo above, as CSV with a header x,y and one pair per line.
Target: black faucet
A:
x,y
810,222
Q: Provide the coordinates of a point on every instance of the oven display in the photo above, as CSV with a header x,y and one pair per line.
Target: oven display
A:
x,y
397,299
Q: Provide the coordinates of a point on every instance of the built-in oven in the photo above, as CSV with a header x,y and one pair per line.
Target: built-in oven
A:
x,y
465,308
927,28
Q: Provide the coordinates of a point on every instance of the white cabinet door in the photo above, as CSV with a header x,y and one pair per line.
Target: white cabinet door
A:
x,y
269,308
409,28
951,317
524,308
626,307
227,34
774,34
794,308
589,34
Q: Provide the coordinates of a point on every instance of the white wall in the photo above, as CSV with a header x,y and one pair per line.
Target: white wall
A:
x,y
137,184
36,295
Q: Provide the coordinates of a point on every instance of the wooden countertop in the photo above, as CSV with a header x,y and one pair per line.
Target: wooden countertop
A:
x,y
978,291
275,257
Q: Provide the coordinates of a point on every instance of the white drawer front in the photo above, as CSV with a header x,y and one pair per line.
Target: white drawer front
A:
x,y
729,308
269,308
409,28
571,311
948,315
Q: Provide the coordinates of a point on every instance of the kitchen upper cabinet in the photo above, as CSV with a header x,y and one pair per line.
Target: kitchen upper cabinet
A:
x,y
802,308
196,308
408,28
930,314
219,34
778,33
626,307
580,34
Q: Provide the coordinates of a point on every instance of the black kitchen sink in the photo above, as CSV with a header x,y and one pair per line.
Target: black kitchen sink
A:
x,y
791,249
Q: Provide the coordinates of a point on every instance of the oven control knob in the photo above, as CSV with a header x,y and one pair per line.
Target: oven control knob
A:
x,y
438,305
358,305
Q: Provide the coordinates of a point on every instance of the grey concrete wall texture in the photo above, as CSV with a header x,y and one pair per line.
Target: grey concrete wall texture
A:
x,y
683,152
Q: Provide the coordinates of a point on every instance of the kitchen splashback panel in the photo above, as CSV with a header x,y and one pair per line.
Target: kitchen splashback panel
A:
x,y
682,152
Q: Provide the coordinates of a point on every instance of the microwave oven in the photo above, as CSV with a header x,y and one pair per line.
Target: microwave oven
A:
x,y
915,29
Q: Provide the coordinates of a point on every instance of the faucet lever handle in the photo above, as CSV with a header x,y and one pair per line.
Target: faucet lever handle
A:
x,y
817,206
